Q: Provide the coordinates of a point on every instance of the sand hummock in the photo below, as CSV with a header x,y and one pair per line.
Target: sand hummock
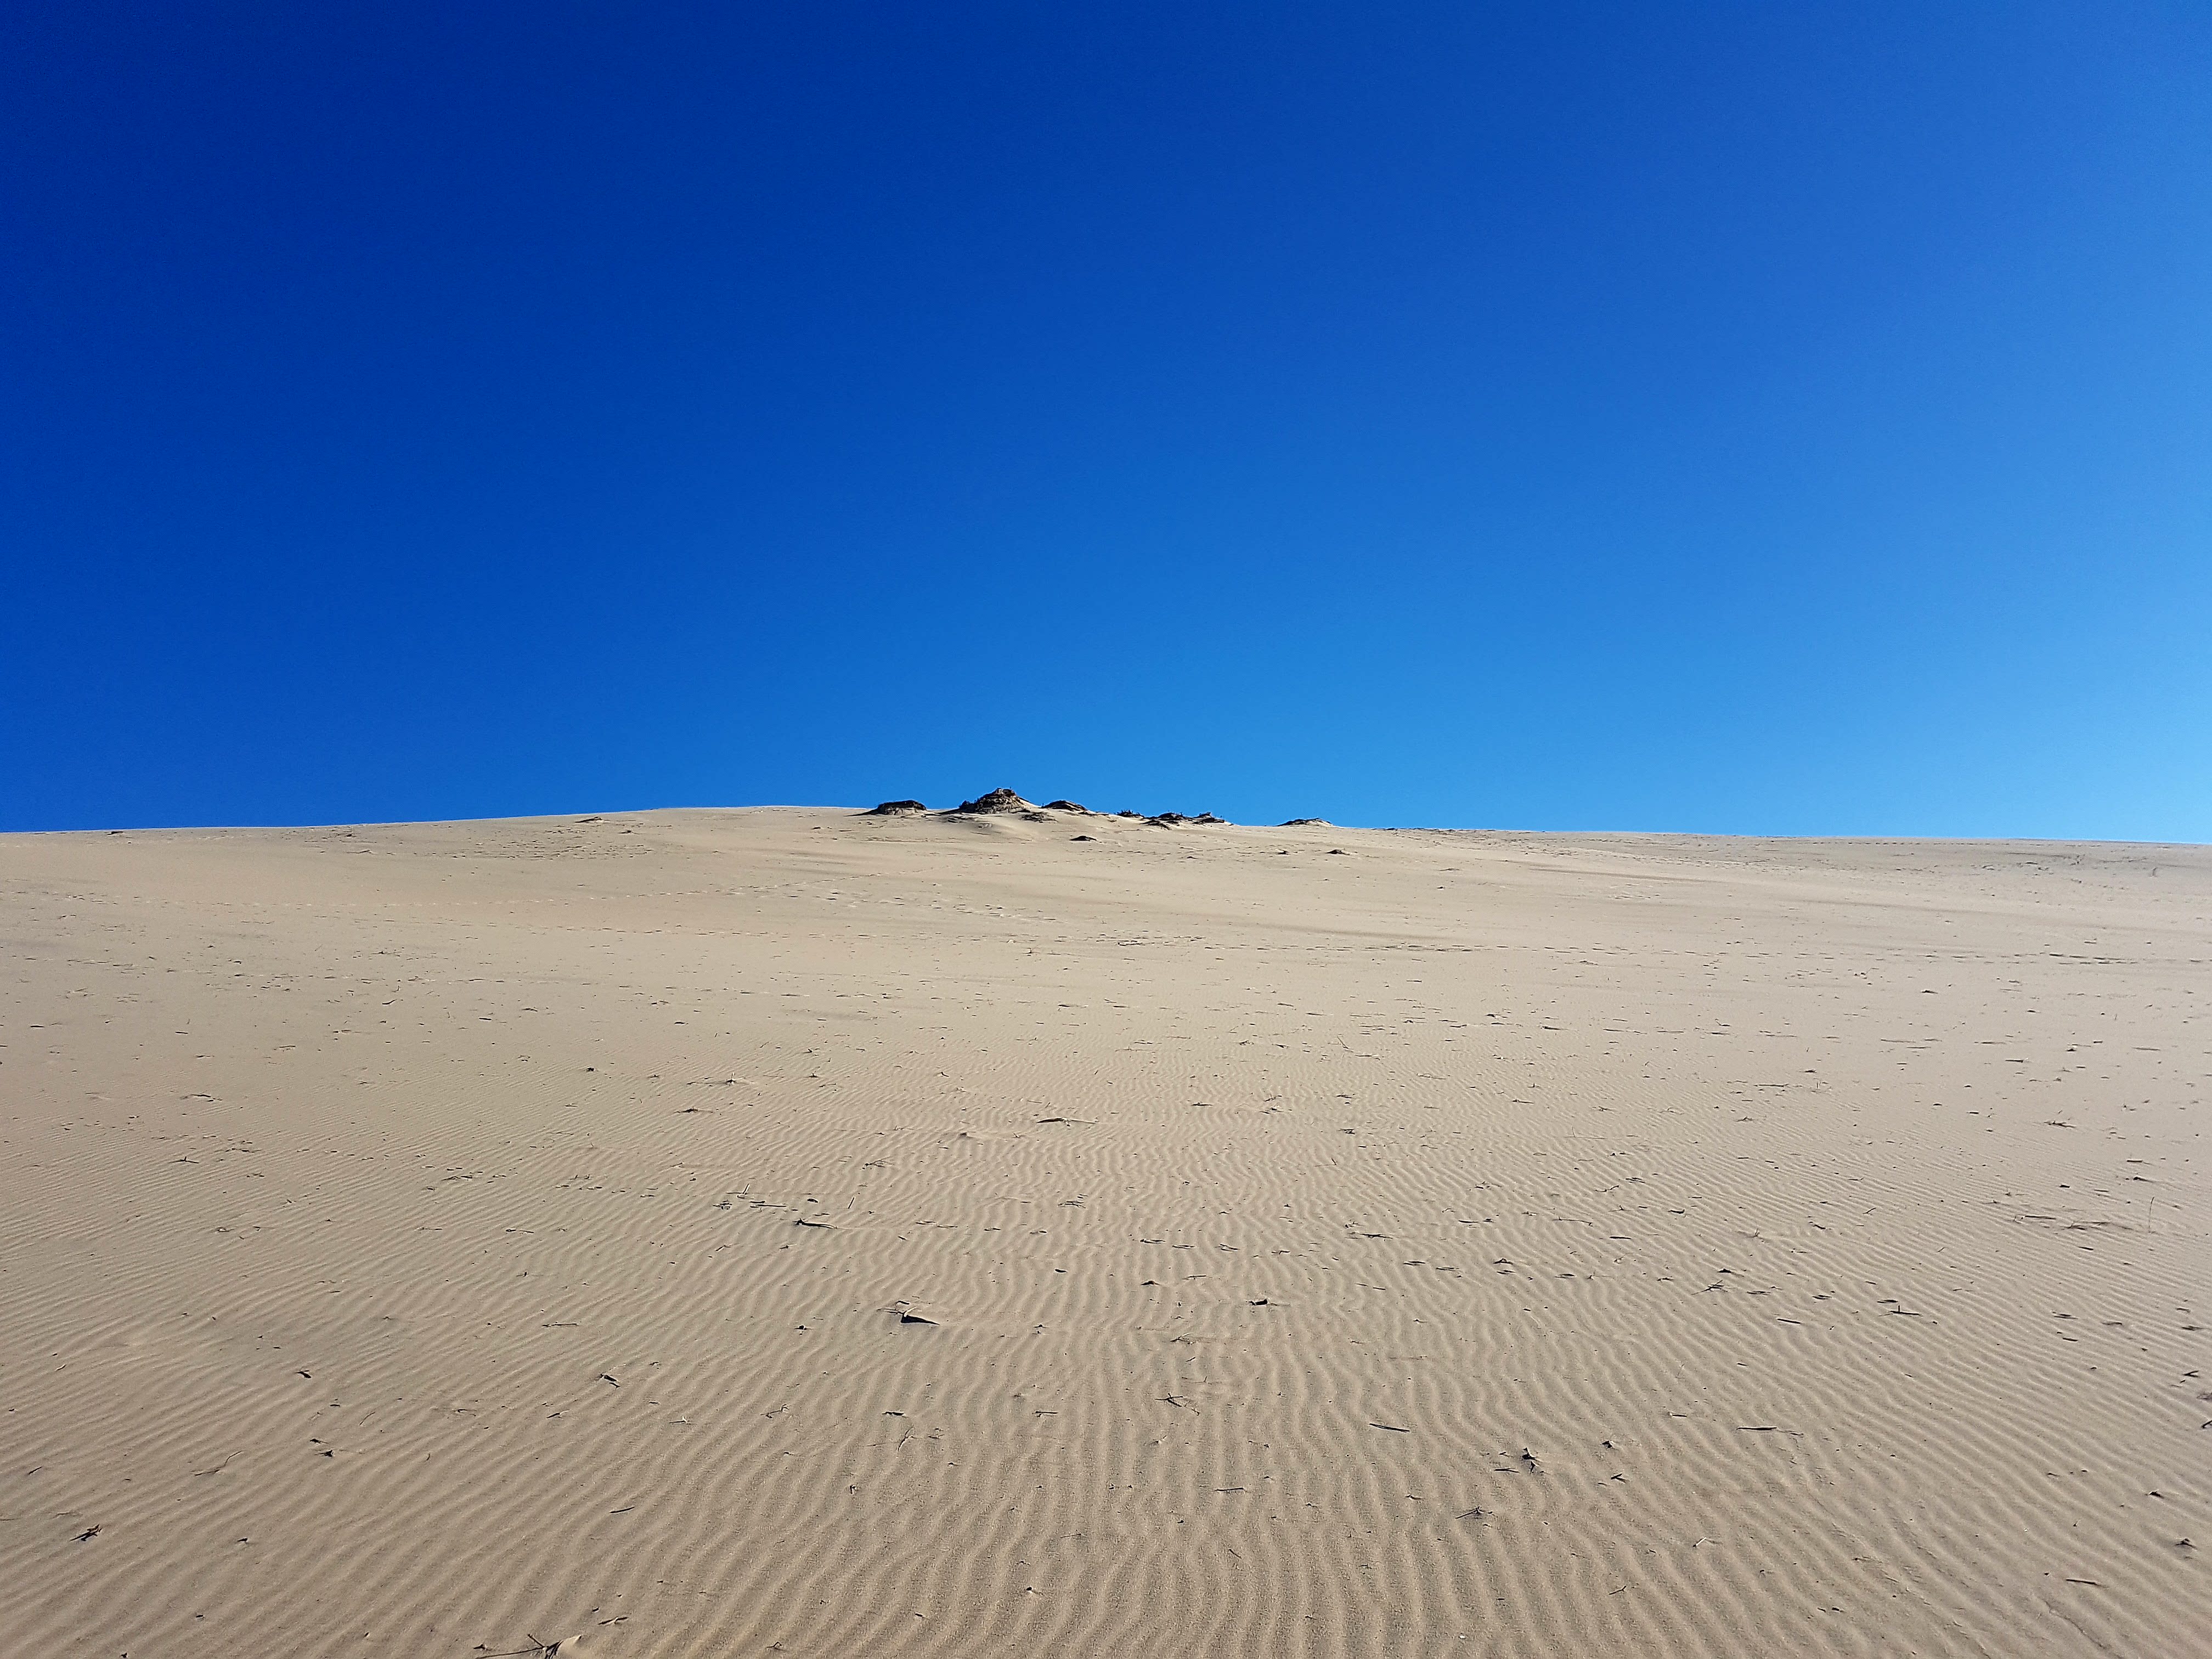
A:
x,y
997,800
831,1233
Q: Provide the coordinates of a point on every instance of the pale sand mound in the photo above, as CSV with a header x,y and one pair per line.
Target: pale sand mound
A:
x,y
718,1233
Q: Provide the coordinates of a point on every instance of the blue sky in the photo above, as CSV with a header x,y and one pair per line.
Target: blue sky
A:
x,y
1789,419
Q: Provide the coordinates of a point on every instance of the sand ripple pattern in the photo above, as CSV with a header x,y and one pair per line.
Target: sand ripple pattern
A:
x,y
707,1233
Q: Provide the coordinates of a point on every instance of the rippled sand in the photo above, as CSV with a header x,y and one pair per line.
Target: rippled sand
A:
x,y
719,1233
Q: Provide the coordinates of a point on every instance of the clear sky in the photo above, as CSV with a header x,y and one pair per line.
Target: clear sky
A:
x,y
1769,418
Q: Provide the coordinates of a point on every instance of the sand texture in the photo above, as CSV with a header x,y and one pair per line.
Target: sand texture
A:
x,y
799,1232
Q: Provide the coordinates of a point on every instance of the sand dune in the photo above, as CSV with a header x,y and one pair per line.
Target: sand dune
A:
x,y
798,1231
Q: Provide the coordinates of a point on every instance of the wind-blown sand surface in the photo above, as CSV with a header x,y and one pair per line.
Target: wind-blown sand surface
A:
x,y
438,1239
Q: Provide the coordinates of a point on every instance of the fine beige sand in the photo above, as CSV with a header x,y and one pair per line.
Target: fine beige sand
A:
x,y
796,1232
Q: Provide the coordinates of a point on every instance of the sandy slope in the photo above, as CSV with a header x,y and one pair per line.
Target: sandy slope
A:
x,y
428,1239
